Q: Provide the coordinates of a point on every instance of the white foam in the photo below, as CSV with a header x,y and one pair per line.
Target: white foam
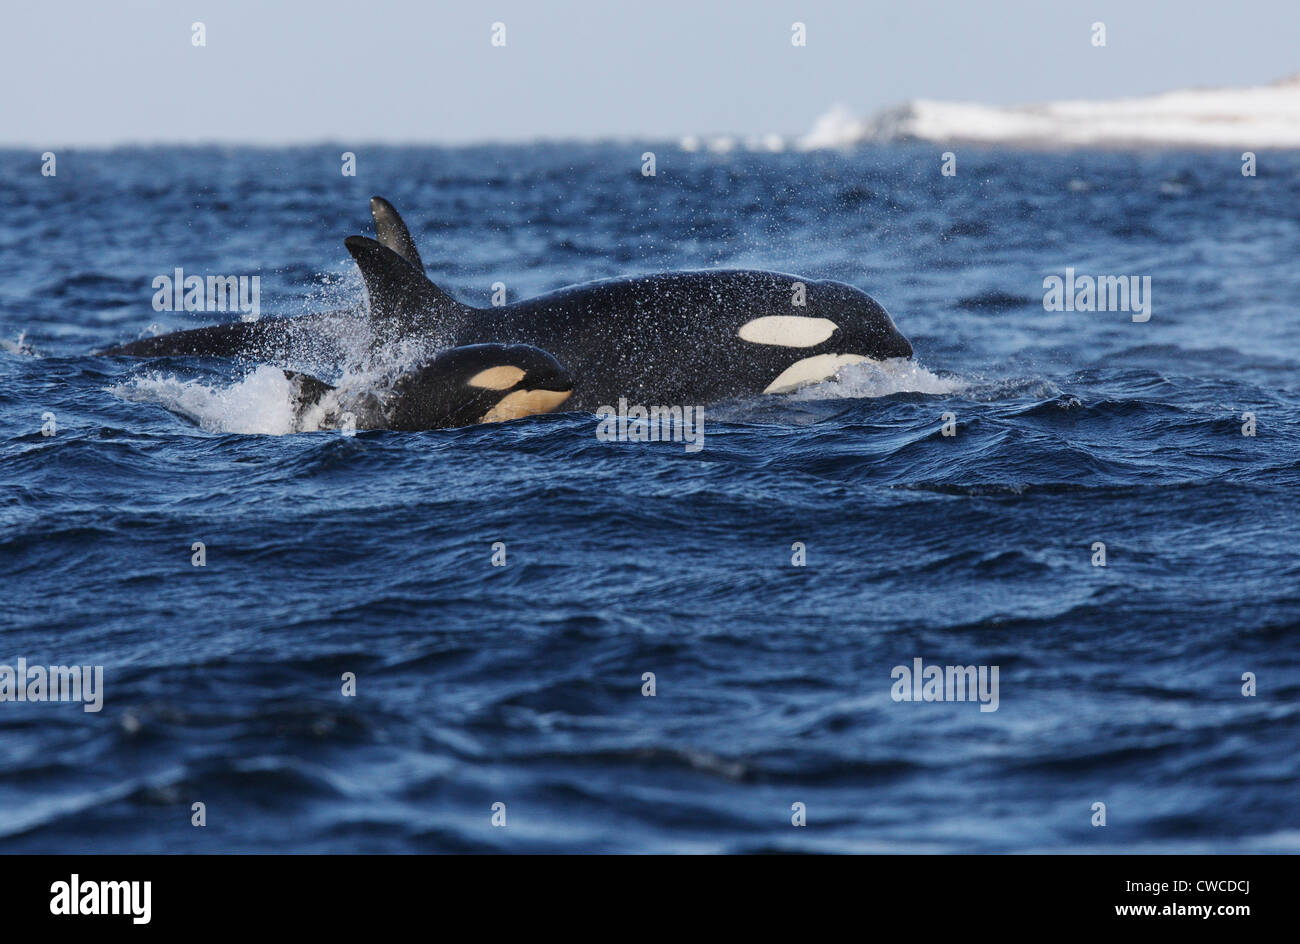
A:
x,y
879,379
18,347
260,403
772,143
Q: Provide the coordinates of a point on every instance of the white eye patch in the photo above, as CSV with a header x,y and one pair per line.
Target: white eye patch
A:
x,y
787,331
497,378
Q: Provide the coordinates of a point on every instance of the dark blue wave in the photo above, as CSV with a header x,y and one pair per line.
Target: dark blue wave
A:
x,y
477,684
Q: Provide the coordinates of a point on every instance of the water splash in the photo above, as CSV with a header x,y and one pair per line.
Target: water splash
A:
x,y
259,403
880,379
18,347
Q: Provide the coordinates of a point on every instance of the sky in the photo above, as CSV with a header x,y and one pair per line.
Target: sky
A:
x,y
104,72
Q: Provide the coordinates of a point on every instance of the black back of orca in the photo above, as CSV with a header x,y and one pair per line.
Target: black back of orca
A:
x,y
269,338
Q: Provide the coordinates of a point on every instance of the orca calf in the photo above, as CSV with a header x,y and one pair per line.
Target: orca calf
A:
x,y
684,338
478,383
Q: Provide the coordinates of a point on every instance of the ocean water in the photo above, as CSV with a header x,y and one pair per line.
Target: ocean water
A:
x,y
522,685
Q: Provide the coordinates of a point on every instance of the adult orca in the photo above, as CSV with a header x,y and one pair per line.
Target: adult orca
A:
x,y
676,338
477,383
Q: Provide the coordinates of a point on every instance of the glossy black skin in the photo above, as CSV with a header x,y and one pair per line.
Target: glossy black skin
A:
x,y
268,338
668,339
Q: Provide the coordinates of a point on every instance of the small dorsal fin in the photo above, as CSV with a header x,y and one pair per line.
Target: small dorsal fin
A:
x,y
401,297
390,231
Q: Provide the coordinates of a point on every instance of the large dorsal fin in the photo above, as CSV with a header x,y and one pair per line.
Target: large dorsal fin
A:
x,y
402,298
390,231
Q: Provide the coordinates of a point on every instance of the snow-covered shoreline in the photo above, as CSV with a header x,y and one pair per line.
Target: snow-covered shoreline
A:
x,y
1265,116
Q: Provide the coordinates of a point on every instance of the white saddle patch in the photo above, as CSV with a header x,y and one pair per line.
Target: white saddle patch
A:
x,y
787,330
812,370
